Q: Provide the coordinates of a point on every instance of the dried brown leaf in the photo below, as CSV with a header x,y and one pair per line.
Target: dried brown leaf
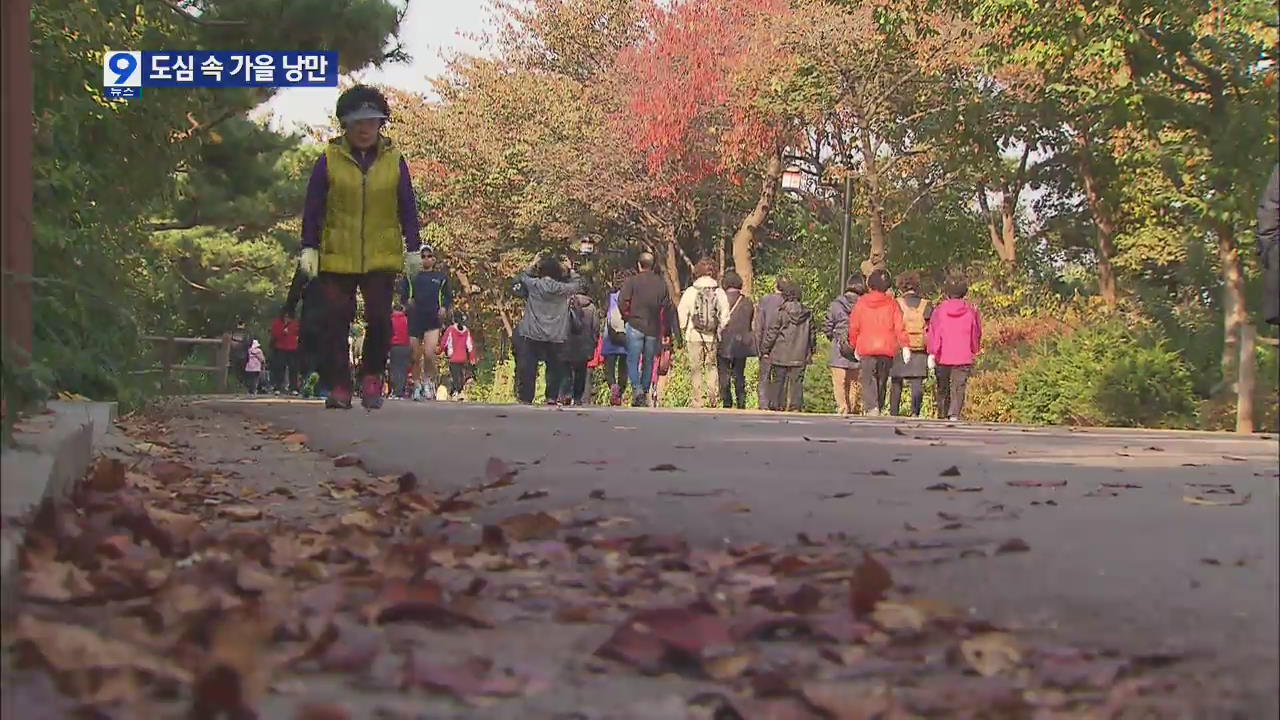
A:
x,y
347,460
992,653
240,513
1197,500
169,472
530,526
108,475
869,583
1036,483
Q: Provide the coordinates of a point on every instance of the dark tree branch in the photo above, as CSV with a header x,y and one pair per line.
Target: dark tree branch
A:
x,y
197,20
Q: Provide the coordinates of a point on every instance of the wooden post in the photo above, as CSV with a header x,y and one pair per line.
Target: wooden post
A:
x,y
224,361
169,350
16,97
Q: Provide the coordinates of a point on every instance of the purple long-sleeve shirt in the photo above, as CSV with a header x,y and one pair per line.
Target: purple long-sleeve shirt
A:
x,y
318,191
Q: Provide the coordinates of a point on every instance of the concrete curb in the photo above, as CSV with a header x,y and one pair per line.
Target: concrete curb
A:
x,y
51,452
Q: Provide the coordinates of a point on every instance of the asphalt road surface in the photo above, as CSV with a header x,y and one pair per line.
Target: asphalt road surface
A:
x,y
1138,550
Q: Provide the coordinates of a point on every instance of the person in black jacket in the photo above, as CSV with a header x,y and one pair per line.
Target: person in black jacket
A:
x,y
737,343
310,319
1269,247
579,348
789,343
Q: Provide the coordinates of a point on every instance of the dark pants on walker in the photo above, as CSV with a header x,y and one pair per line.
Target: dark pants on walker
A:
x,y
340,310
917,395
952,382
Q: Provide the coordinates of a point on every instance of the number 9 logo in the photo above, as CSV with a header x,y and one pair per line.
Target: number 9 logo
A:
x,y
122,68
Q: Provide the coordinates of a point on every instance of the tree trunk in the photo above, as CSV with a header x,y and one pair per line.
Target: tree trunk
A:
x,y
1009,228
1001,230
671,271
1103,222
1238,356
749,230
875,200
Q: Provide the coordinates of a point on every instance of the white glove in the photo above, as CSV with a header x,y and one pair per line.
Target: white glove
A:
x,y
857,357
906,355
309,262
933,363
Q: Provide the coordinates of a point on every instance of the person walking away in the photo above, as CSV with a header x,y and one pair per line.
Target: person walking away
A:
x,y
954,340
428,296
613,347
544,328
285,330
253,364
1269,248
359,227
311,321
401,352
766,313
737,343
703,313
643,299
844,371
459,348
789,343
584,332
911,367
876,334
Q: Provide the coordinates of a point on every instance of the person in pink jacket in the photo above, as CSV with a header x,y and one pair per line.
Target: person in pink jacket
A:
x,y
253,367
954,340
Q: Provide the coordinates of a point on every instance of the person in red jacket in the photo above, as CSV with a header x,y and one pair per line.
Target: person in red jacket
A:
x,y
401,352
459,348
285,330
877,333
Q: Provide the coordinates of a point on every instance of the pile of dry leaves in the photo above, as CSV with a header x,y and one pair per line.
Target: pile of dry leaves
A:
x,y
160,589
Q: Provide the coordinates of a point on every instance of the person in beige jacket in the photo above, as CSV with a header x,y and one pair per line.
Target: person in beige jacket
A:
x,y
704,312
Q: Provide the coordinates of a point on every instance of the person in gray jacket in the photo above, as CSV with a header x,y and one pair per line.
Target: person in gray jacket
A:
x,y
789,342
766,312
1269,248
584,330
545,326
844,372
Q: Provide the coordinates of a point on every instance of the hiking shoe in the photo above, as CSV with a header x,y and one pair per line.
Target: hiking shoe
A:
x,y
953,418
338,400
873,412
371,392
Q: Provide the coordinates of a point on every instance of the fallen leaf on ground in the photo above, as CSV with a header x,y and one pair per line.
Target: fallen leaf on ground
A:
x,y
533,495
360,518
1197,500
408,482
651,638
1127,486
850,699
664,467
108,475
1235,458
991,653
73,648
1036,483
596,494
469,680
294,439
693,493
238,669
735,508
898,431
1012,545
530,526
837,496
869,583
948,487
952,471
346,460
56,582
240,512
497,474
169,472
322,711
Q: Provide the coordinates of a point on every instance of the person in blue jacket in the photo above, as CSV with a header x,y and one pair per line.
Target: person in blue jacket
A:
x,y
614,344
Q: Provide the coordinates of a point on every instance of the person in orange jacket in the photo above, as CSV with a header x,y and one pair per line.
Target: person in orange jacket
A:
x,y
877,334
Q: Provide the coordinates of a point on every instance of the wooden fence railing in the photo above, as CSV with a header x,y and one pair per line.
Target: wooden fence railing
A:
x,y
169,355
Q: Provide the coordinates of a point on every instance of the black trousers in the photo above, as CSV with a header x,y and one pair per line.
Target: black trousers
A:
x,y
573,384
874,371
401,359
340,310
786,386
457,376
917,395
732,374
952,382
615,371
532,352
284,370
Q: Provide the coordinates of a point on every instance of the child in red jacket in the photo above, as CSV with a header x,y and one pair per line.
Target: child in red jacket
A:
x,y
459,349
877,333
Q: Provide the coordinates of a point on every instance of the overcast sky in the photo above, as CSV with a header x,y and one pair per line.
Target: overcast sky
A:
x,y
430,28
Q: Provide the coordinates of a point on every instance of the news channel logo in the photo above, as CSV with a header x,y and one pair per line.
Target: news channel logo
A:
x,y
126,72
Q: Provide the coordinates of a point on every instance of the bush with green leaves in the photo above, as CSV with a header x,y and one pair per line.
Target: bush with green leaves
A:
x,y
1106,374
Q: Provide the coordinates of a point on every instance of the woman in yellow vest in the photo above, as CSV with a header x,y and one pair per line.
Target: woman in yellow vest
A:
x,y
359,229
